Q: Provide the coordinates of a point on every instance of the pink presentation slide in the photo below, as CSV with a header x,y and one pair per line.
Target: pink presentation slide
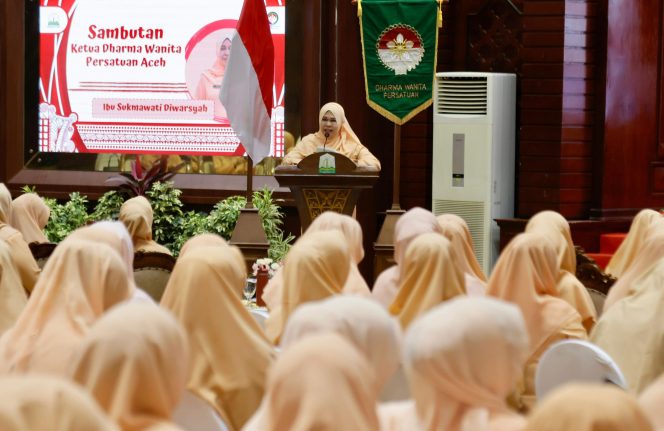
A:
x,y
128,76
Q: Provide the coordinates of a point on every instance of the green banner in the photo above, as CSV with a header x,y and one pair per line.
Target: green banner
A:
x,y
399,47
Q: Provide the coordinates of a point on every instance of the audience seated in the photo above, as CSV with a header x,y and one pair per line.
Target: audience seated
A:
x,y
40,402
317,266
556,229
22,257
80,281
430,274
321,383
413,223
631,245
588,408
12,295
632,330
134,362
456,230
136,214
30,216
229,352
202,240
526,275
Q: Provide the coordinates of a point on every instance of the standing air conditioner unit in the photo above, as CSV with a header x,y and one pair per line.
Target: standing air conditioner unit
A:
x,y
473,153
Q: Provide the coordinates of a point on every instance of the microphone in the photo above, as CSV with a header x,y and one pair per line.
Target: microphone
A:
x,y
327,135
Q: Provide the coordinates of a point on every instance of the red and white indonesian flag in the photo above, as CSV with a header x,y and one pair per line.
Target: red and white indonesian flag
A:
x,y
246,91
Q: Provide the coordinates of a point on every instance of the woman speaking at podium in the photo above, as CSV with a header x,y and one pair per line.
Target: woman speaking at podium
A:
x,y
334,134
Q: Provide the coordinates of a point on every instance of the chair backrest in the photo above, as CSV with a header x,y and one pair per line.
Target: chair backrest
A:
x,y
41,251
260,315
152,271
575,361
598,300
193,413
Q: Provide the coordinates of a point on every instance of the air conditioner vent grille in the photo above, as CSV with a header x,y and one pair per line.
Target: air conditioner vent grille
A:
x,y
461,95
473,214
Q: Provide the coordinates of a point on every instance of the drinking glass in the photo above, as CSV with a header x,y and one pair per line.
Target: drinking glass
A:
x,y
249,289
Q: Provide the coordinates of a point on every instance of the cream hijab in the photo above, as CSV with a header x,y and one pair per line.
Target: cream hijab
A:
x,y
651,401
413,223
557,230
632,330
650,253
79,282
587,407
12,295
134,362
136,214
203,240
460,379
229,353
456,230
316,267
41,402
5,205
321,383
631,245
30,216
430,275
525,275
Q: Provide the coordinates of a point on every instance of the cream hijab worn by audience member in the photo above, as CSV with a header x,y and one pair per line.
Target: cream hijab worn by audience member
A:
x,y
430,274
316,267
341,139
134,362
456,230
79,282
41,402
651,401
460,379
650,253
230,354
631,245
586,407
361,321
414,222
12,295
632,330
352,232
525,275
30,216
136,214
202,240
556,228
24,262
321,383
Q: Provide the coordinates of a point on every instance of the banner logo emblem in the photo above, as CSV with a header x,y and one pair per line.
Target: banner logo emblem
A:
x,y
400,48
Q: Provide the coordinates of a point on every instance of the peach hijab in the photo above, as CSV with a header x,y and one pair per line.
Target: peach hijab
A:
x,y
556,228
136,214
30,216
344,141
13,298
22,257
632,330
40,402
460,380
456,230
230,354
651,401
649,254
430,275
631,245
202,240
316,267
134,362
321,383
80,281
586,407
413,223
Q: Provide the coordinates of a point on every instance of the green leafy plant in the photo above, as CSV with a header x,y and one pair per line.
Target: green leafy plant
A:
x,y
108,206
139,182
29,189
167,224
66,217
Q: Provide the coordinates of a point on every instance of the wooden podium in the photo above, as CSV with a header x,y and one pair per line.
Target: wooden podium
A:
x,y
316,193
